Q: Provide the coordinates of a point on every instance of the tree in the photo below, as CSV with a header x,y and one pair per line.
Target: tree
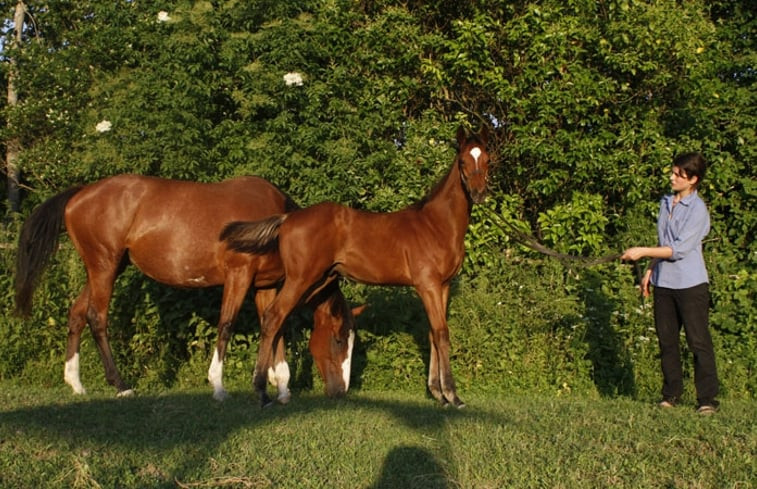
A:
x,y
13,143
357,102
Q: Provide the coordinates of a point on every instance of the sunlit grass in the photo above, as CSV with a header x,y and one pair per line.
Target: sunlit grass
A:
x,y
182,438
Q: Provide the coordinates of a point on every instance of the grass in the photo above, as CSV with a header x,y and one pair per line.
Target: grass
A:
x,y
182,438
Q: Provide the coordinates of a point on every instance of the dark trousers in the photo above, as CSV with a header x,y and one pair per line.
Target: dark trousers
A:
x,y
689,308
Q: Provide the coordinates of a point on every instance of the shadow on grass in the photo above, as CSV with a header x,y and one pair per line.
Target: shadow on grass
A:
x,y
409,466
194,426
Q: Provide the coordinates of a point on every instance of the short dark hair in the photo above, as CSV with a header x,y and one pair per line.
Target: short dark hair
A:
x,y
692,164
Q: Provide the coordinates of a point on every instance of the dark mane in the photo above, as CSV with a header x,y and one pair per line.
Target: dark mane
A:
x,y
431,193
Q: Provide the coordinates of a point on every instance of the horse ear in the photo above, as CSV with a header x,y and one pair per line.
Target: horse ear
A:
x,y
483,134
462,136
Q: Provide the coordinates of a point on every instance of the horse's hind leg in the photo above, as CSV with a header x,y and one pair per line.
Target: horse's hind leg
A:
x,y
101,289
278,371
270,328
77,319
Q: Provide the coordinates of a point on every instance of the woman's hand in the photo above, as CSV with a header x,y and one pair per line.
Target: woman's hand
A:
x,y
644,285
634,254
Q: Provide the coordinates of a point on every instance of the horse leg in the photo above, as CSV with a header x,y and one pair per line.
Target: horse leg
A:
x,y
278,371
101,288
270,328
434,385
77,319
234,290
441,383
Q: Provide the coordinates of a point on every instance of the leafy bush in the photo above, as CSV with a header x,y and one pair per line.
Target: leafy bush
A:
x,y
587,101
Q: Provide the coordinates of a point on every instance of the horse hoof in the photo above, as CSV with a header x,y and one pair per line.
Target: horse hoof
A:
x,y
265,401
457,403
126,393
284,398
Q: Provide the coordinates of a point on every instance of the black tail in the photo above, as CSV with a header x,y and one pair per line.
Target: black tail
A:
x,y
36,244
258,237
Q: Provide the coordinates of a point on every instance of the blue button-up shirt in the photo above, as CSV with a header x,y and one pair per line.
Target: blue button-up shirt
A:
x,y
682,228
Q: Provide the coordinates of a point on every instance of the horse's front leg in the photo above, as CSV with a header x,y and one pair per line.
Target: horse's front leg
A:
x,y
215,371
434,384
441,382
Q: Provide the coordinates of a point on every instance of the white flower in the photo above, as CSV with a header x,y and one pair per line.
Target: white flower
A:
x,y
103,126
293,78
163,16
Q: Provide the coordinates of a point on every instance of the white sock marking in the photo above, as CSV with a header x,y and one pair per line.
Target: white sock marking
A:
x,y
279,376
215,377
71,374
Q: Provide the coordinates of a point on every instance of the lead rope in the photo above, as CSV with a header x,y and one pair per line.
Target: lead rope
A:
x,y
530,242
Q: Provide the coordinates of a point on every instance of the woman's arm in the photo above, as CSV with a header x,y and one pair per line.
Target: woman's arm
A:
x,y
638,252
657,253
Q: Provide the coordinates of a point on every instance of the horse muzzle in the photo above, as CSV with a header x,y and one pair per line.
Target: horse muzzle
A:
x,y
478,196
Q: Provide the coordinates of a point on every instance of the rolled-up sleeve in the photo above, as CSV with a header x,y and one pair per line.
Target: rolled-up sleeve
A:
x,y
691,231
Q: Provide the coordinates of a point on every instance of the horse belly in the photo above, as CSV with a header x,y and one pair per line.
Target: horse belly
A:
x,y
375,268
185,268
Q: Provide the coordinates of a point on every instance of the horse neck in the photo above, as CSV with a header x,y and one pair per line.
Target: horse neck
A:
x,y
450,203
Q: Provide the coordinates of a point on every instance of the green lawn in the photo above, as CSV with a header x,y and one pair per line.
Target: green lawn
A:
x,y
183,438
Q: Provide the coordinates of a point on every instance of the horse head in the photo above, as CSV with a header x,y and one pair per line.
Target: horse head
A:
x,y
332,341
474,162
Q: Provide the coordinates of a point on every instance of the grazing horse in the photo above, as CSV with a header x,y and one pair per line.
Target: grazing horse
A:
x,y
169,230
420,246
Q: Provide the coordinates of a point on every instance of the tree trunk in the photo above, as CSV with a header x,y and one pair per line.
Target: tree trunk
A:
x,y
13,145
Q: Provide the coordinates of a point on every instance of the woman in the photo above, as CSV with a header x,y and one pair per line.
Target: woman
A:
x,y
681,289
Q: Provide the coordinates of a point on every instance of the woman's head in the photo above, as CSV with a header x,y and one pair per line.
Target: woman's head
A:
x,y
691,165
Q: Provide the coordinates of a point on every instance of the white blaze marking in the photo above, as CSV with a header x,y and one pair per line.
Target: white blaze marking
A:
x,y
215,377
476,154
71,374
347,363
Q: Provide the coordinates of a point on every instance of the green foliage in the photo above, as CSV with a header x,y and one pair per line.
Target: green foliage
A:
x,y
577,227
358,103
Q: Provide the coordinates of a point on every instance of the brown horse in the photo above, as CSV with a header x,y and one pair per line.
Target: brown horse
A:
x,y
420,246
169,230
